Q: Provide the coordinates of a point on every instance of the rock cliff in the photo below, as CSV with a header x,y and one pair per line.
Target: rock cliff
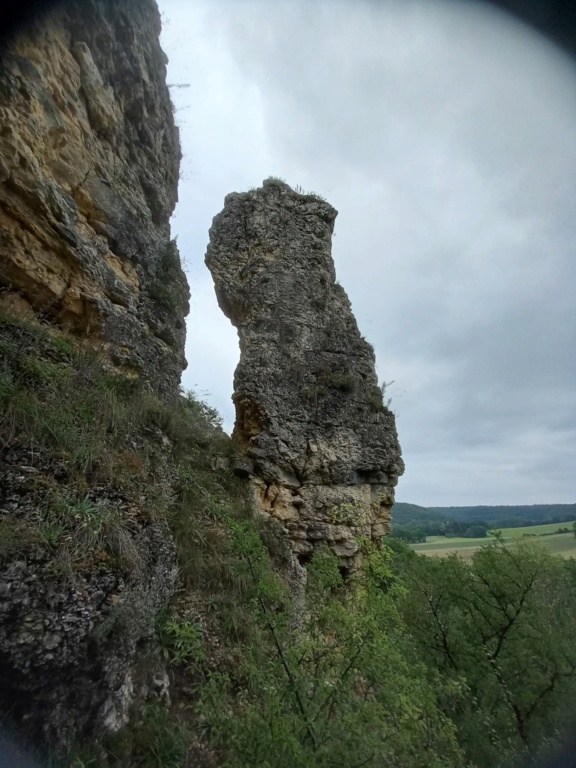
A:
x,y
315,437
89,164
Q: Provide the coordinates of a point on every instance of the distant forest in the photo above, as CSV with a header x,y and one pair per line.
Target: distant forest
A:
x,y
414,523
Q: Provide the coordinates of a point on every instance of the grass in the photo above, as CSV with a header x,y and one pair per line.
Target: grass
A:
x,y
342,381
300,191
563,544
80,426
537,530
97,457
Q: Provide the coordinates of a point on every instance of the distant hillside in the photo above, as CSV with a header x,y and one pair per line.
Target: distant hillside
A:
x,y
409,514
543,513
454,520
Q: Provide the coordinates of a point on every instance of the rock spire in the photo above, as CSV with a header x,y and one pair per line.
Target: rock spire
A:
x,y
312,431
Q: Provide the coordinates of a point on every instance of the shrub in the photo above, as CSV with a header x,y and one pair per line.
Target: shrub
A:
x,y
179,640
278,180
343,689
374,400
343,382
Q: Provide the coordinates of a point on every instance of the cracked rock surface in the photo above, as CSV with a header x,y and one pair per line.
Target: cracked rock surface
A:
x,y
313,434
89,164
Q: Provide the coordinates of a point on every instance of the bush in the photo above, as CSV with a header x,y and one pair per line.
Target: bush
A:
x,y
341,690
344,382
374,400
500,629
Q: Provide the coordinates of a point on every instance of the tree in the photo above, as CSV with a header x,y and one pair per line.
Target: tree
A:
x,y
475,532
344,689
503,629
414,535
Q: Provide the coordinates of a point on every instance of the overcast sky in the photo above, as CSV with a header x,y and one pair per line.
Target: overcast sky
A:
x,y
445,135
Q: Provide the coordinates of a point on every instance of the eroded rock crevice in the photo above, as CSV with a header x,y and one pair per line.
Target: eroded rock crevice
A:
x,y
312,431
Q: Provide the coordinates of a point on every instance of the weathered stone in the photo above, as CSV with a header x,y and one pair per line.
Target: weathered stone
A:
x,y
68,646
311,426
88,182
89,165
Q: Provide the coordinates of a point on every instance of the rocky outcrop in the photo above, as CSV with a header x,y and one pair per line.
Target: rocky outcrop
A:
x,y
69,646
89,165
314,434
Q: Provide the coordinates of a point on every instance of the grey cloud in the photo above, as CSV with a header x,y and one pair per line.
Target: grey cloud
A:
x,y
446,137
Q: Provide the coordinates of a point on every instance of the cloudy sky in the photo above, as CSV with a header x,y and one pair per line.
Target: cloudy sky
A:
x,y
445,135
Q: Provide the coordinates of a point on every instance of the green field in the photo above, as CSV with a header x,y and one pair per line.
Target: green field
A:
x,y
536,530
563,544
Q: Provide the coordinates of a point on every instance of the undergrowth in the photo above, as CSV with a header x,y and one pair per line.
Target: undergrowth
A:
x,y
386,669
254,680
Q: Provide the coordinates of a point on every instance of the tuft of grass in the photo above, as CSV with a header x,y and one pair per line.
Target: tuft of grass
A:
x,y
277,180
89,527
63,345
340,380
16,538
303,193
163,296
329,380
158,740
374,400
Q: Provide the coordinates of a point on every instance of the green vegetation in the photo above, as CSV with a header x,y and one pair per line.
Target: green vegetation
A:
x,y
420,662
339,380
557,544
375,400
342,688
156,739
303,193
414,663
510,516
500,627
329,381
76,426
345,514
538,530
164,296
166,289
558,538
417,524
300,191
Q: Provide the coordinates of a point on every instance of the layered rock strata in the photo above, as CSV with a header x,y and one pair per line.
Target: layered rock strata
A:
x,y
89,165
313,433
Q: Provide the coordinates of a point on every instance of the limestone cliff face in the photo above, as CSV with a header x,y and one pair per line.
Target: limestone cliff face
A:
x,y
318,443
89,163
